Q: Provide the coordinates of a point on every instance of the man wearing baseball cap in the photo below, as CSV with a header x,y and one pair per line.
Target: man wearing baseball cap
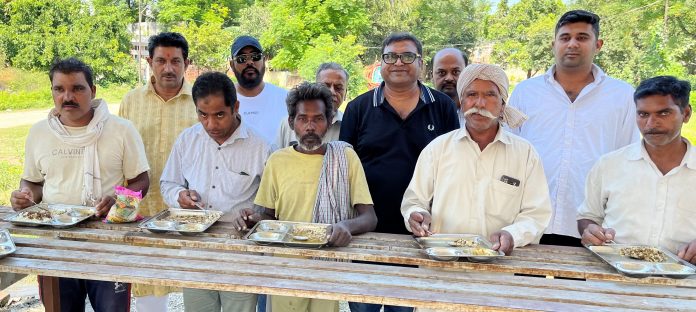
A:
x,y
261,104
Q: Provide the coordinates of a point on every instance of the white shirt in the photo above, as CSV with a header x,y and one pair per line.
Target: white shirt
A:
x,y
226,176
461,186
286,135
263,111
625,191
571,136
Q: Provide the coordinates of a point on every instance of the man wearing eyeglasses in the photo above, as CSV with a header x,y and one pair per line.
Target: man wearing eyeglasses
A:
x,y
389,126
261,104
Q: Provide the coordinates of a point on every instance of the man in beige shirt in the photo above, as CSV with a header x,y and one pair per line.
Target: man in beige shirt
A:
x,y
480,179
160,110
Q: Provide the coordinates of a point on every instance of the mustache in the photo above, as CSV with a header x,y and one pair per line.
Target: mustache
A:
x,y
70,103
653,131
310,136
483,112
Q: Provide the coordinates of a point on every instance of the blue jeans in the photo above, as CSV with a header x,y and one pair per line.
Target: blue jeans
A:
x,y
261,303
370,307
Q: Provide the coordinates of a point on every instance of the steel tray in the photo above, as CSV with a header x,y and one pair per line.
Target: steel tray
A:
x,y
281,232
7,245
62,215
673,267
172,220
443,247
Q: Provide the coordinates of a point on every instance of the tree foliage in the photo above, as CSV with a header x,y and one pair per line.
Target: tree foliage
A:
x,y
36,32
171,12
208,41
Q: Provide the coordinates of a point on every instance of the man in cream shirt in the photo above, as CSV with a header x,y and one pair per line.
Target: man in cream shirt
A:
x,y
480,179
644,193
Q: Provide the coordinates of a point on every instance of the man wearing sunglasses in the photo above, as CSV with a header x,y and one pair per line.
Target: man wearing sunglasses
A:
x,y
261,104
389,126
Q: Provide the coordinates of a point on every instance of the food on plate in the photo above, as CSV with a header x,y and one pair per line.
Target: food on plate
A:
x,y
197,218
311,233
644,253
480,251
462,242
34,215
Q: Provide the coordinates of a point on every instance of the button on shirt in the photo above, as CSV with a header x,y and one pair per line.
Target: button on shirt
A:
x,y
571,136
461,187
388,146
226,176
626,192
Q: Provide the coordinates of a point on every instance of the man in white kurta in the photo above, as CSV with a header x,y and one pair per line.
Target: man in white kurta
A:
x,y
480,179
644,192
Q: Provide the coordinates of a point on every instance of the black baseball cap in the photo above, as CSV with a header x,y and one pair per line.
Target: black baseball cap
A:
x,y
245,41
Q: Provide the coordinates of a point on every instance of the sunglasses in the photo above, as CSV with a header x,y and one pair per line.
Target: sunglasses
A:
x,y
406,57
243,58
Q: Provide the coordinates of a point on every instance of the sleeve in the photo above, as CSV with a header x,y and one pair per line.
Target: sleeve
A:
x,y
419,193
123,109
267,195
451,117
629,130
32,167
172,181
134,158
349,124
514,101
592,207
359,190
282,137
535,209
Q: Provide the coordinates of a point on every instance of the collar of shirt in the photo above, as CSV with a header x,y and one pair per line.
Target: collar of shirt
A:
x,y
425,95
239,134
638,152
186,88
502,135
338,117
597,72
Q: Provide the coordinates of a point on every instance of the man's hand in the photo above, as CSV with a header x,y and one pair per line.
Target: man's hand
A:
x,y
21,198
104,205
597,235
188,199
503,241
247,218
420,223
340,235
688,252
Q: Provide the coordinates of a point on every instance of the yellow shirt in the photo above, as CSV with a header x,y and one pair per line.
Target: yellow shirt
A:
x,y
290,181
159,124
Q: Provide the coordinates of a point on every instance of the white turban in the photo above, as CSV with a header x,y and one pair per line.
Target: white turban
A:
x,y
511,116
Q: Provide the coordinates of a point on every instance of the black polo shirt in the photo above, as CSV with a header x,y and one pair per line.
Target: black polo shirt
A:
x,y
388,146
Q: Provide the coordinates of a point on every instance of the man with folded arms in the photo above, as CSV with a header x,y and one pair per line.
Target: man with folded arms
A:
x,y
643,193
77,156
315,182
216,164
480,179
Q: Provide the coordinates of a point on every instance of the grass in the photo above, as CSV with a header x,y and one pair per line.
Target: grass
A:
x,y
11,160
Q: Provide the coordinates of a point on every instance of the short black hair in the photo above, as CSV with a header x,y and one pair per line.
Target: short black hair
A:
x,y
168,39
402,36
309,91
665,85
72,65
214,83
330,65
579,16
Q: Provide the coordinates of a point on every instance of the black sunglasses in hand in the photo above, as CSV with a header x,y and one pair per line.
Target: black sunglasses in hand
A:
x,y
406,57
243,58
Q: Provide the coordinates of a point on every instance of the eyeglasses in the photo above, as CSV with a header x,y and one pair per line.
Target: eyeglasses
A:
x,y
243,58
406,58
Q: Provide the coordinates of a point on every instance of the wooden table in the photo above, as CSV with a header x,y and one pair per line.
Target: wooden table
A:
x,y
569,279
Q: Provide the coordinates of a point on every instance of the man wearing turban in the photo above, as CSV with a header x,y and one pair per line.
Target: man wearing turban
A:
x,y
480,179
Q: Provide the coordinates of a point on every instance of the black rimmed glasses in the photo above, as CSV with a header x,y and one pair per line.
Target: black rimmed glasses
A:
x,y
243,58
406,57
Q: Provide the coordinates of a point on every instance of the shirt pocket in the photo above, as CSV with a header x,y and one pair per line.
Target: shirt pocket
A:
x,y
504,201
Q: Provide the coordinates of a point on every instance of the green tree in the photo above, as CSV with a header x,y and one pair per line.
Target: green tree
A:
x,y
522,37
171,12
295,23
40,31
343,51
208,41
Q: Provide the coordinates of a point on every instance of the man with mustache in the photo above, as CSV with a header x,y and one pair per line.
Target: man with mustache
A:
x,y
261,104
503,195
218,161
643,193
76,157
313,181
576,114
334,77
160,110
448,63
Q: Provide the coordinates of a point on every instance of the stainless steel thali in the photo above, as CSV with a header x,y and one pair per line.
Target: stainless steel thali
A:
x,y
672,266
55,215
291,234
452,247
184,221
7,246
